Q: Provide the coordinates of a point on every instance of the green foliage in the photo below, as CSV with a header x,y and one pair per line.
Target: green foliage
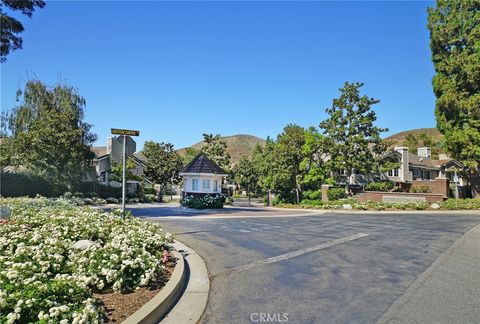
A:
x,y
414,141
420,189
89,188
163,164
312,195
246,174
25,184
313,169
11,27
353,142
380,186
50,137
216,150
149,191
455,46
468,203
208,201
116,171
336,194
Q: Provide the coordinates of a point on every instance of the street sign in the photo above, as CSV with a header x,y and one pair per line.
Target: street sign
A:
x,y
116,152
129,132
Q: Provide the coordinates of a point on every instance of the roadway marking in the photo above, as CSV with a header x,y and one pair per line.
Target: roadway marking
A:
x,y
293,254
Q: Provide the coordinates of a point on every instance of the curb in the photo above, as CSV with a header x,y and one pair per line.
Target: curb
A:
x,y
193,301
157,307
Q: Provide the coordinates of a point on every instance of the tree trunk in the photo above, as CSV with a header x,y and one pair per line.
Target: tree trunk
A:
x,y
474,179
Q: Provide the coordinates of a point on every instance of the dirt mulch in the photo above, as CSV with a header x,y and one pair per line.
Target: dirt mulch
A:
x,y
119,306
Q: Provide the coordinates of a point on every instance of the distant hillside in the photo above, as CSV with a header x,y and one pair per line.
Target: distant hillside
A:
x,y
237,145
433,133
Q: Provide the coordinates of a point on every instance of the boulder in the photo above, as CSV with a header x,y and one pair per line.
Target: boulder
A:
x,y
84,244
435,206
347,206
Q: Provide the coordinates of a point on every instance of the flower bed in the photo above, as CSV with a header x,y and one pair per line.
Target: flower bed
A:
x,y
372,205
55,255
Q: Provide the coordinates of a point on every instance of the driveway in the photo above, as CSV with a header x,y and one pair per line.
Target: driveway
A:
x,y
321,268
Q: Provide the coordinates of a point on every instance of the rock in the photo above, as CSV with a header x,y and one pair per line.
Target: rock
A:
x,y
435,206
84,244
347,206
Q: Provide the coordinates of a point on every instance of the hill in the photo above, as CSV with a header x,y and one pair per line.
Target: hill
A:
x,y
433,136
237,145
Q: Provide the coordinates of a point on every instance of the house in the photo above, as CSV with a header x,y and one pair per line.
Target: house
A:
x,y
102,164
202,177
421,166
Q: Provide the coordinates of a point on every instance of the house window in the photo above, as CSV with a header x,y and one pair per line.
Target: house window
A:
x,y
206,184
194,184
395,172
215,185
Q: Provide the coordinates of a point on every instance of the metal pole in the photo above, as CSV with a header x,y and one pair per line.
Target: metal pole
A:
x,y
456,189
124,172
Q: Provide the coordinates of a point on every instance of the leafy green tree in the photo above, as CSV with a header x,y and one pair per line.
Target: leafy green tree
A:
x,y
354,141
49,134
190,153
10,27
455,45
163,163
313,167
246,175
116,171
216,150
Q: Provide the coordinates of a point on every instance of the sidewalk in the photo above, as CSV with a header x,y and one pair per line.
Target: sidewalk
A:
x,y
448,291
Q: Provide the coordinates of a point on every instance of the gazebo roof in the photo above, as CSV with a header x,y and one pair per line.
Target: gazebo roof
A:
x,y
202,164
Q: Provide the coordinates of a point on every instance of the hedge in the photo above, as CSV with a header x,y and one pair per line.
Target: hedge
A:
x,y
380,186
25,184
336,193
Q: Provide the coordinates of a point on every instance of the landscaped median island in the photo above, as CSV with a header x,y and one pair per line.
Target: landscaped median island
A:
x,y
349,203
62,263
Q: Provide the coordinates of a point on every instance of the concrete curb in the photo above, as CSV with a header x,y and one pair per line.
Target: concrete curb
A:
x,y
157,307
191,305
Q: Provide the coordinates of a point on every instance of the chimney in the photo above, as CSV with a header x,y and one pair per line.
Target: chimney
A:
x,y
424,152
109,145
403,170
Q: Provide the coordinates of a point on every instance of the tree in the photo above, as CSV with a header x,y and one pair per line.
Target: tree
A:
x,y
49,134
313,167
190,153
289,154
455,45
10,27
246,175
216,150
354,141
116,171
163,163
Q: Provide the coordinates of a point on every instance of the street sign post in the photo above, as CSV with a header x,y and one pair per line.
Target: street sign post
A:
x,y
125,133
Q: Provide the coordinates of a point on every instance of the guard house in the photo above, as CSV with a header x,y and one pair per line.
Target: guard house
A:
x,y
202,177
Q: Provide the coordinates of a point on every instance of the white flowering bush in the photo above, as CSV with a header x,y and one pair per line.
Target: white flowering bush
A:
x,y
54,255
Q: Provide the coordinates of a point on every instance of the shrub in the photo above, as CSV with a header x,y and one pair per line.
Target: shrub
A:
x,y
149,191
149,198
112,200
421,189
312,195
337,193
207,201
24,184
467,203
311,203
380,186
45,279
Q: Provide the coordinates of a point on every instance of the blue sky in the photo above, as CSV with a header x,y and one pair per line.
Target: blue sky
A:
x,y
174,70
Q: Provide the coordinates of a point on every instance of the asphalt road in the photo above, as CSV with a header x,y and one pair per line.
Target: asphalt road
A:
x,y
326,268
